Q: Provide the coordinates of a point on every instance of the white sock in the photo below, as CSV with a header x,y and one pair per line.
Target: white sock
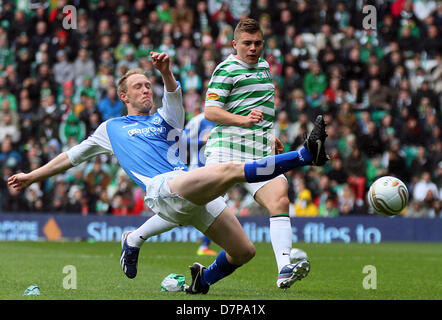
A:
x,y
281,237
153,226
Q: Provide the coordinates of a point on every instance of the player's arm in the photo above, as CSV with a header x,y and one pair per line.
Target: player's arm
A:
x,y
216,110
224,117
162,62
57,165
98,143
172,110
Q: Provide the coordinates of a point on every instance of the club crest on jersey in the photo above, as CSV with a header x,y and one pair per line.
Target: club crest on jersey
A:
x,y
156,120
212,96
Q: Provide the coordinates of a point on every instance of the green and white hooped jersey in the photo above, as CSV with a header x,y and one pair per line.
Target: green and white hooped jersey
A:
x,y
238,87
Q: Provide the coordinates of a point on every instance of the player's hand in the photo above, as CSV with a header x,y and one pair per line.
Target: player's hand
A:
x,y
161,61
19,181
253,117
279,146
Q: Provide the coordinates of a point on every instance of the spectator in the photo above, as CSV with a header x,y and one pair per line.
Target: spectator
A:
x,y
328,209
164,11
346,117
346,200
304,206
41,35
425,189
60,200
355,167
155,26
315,83
370,141
8,128
337,174
416,209
11,199
187,55
191,80
303,56
72,127
24,64
394,159
181,13
420,163
8,156
355,69
34,198
83,66
5,94
110,106
378,96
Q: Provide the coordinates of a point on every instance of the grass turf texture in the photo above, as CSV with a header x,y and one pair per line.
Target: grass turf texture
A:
x,y
403,271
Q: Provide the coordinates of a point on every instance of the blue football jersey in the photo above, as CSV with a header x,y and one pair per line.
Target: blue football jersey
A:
x,y
145,146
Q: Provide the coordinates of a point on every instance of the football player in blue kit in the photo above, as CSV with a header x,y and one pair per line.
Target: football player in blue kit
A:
x,y
148,149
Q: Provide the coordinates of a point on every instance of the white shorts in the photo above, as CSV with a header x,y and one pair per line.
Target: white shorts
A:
x,y
252,187
174,208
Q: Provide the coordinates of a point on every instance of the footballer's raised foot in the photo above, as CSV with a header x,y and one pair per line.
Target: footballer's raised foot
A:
x,y
206,252
129,257
196,287
292,272
315,142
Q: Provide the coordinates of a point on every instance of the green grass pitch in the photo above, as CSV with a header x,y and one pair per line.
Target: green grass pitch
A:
x,y
403,271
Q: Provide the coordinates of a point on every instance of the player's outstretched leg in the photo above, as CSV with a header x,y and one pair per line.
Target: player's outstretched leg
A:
x,y
129,257
131,242
196,272
203,185
204,248
315,142
227,232
292,272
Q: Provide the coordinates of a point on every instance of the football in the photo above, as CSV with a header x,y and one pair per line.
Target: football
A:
x,y
388,196
296,255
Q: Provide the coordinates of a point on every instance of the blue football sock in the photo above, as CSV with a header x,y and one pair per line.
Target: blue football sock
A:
x,y
205,242
219,269
272,166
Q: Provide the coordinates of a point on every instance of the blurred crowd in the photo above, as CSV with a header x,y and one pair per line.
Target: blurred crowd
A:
x,y
379,90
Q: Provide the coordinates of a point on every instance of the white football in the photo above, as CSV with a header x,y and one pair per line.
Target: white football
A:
x,y
297,254
388,196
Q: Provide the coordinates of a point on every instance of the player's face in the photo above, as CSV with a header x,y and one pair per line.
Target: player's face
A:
x,y
139,95
249,47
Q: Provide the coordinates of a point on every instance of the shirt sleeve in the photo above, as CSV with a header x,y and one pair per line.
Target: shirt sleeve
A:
x,y
97,143
173,110
219,88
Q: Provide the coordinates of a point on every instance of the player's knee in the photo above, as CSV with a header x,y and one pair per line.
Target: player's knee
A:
x,y
279,204
230,170
244,253
248,253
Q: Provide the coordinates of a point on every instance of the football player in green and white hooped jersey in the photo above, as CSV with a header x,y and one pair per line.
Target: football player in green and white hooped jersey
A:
x,y
240,100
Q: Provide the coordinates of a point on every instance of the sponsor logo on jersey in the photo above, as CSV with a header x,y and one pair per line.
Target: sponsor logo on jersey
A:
x,y
149,131
212,96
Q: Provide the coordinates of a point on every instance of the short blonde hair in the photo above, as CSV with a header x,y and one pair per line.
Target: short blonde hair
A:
x,y
122,83
246,25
